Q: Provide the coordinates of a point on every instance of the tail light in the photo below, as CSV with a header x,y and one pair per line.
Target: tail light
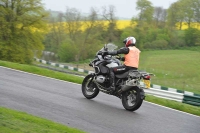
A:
x,y
147,77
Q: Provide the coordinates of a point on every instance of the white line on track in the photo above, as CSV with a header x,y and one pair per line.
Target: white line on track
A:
x,y
39,75
80,84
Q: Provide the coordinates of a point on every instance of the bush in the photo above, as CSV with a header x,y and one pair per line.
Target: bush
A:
x,y
67,51
158,44
192,37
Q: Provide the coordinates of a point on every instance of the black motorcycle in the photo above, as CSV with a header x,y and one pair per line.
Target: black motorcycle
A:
x,y
129,85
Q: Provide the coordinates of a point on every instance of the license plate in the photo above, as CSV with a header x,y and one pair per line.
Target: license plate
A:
x,y
147,83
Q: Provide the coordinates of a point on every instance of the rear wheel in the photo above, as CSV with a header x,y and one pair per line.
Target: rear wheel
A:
x,y
132,99
89,88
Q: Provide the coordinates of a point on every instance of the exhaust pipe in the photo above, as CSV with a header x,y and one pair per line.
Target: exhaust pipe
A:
x,y
124,88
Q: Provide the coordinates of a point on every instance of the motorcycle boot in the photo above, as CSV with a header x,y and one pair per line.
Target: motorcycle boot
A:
x,y
112,81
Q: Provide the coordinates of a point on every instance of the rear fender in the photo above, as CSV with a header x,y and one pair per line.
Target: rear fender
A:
x,y
142,93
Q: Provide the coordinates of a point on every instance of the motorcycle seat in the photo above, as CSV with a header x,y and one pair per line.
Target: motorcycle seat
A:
x,y
121,76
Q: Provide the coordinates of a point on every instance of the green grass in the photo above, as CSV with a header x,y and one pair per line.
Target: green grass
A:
x,y
61,69
174,105
179,69
12,121
41,71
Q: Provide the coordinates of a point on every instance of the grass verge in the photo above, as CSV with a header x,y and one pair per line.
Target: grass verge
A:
x,y
174,105
177,69
42,71
19,122
67,77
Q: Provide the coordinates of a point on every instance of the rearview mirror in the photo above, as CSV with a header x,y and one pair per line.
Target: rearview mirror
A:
x,y
105,47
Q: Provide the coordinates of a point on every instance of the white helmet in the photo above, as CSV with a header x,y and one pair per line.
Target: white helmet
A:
x,y
129,41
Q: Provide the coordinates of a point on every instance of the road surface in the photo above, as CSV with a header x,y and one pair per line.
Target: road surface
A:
x,y
64,103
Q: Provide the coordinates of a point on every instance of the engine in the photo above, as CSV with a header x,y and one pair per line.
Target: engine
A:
x,y
100,79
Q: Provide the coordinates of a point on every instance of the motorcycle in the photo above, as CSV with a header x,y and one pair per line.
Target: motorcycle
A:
x,y
129,85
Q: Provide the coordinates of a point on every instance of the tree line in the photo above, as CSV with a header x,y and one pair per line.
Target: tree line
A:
x,y
27,29
18,40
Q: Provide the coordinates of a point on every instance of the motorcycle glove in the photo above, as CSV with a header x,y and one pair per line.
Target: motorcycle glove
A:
x,y
112,53
105,53
109,53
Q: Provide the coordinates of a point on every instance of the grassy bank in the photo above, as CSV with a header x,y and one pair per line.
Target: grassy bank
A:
x,y
42,71
71,78
174,105
178,69
18,122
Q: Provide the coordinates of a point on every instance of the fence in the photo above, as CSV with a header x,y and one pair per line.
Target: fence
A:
x,y
156,90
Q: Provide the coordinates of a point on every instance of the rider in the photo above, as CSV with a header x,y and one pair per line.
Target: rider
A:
x,y
131,59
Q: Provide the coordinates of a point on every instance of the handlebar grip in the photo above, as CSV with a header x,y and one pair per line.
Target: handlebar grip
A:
x,y
99,53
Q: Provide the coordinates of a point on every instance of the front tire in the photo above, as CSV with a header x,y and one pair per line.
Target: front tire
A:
x,y
132,99
90,91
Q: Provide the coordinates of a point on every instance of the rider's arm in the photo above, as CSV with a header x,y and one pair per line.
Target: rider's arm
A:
x,y
123,50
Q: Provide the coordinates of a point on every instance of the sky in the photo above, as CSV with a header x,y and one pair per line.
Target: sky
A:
x,y
124,8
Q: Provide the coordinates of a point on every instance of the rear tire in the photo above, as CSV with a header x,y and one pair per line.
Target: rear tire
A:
x,y
132,99
91,91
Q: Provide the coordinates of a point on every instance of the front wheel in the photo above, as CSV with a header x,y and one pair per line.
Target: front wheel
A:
x,y
132,99
89,88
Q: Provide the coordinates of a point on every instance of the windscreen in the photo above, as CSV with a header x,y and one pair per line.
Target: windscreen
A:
x,y
111,46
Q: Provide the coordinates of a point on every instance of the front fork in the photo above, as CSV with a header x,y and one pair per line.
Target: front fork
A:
x,y
90,82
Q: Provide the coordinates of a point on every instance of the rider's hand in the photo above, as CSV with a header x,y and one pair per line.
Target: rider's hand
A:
x,y
118,57
100,53
105,53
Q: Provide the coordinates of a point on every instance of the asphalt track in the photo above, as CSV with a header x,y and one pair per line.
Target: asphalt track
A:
x,y
63,102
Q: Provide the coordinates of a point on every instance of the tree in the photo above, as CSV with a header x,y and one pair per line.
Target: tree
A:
x,y
183,11
196,8
22,27
145,10
92,35
56,34
159,16
188,11
175,15
84,33
73,19
111,34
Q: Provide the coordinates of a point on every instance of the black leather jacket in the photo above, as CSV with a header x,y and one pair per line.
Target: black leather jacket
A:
x,y
123,50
